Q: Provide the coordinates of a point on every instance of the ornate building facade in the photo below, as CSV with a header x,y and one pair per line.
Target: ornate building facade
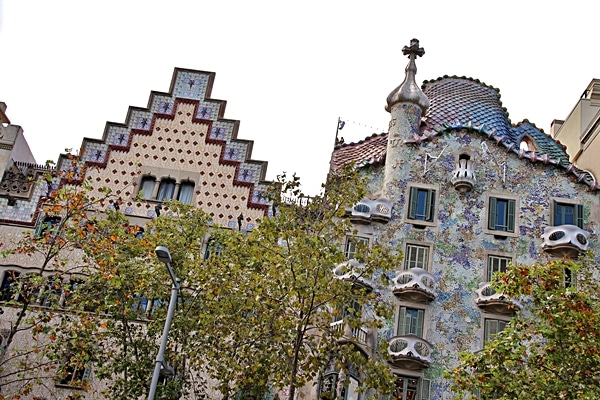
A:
x,y
469,193
179,147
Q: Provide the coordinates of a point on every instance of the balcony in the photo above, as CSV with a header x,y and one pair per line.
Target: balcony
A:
x,y
353,271
415,284
497,303
463,176
410,352
348,334
565,241
367,211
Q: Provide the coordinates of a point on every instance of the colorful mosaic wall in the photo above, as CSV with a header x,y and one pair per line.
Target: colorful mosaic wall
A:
x,y
459,237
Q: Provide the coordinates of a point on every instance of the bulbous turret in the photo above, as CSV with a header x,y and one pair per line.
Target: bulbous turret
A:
x,y
409,91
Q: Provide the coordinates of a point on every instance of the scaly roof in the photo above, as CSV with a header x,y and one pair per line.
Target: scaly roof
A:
x,y
459,103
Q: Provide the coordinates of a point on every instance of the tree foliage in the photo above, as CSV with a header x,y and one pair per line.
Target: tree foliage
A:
x,y
550,350
255,309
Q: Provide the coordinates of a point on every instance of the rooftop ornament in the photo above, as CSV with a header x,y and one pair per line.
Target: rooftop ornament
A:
x,y
409,91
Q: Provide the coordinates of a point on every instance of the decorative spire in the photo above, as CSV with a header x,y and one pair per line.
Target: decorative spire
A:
x,y
409,91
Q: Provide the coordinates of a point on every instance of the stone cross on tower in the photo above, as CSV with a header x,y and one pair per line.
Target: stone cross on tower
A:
x,y
413,50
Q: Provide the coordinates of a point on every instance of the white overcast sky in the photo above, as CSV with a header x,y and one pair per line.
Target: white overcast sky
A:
x,y
287,69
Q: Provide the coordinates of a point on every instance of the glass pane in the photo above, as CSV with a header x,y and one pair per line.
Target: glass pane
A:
x,y
166,189
186,192
147,187
421,205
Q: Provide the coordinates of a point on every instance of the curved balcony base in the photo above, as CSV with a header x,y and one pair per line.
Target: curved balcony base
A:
x,y
497,306
409,362
564,251
463,186
414,294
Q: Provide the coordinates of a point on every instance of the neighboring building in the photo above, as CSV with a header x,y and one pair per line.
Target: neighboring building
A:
x,y
579,132
469,194
179,147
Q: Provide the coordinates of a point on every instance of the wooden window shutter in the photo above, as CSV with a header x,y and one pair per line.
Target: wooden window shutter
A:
x,y
510,217
420,319
430,206
401,321
413,203
492,214
578,215
425,390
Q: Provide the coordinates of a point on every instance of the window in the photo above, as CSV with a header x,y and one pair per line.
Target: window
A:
x,y
353,243
7,290
501,215
349,310
141,304
329,384
70,291
74,375
147,187
527,144
408,388
496,264
166,189
567,214
186,192
410,321
416,256
492,327
213,248
52,292
421,204
48,227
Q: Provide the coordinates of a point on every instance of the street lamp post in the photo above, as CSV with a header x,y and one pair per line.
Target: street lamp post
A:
x,y
164,256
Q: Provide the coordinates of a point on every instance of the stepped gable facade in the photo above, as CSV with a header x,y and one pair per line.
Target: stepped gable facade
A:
x,y
179,147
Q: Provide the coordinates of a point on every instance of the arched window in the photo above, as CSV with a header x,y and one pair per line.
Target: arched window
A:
x,y
186,192
527,144
7,290
147,187
166,189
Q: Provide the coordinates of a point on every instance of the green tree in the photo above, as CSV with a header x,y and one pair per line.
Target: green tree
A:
x,y
550,350
53,249
267,301
255,310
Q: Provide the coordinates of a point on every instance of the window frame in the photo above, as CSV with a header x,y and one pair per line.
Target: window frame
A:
x,y
500,256
401,319
354,241
578,211
75,378
413,244
490,211
183,185
486,335
147,179
431,204
170,187
423,387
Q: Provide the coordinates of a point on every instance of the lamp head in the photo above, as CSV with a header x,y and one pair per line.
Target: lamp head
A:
x,y
163,254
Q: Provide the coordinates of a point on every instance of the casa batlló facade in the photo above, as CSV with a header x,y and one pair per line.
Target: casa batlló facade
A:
x,y
469,193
